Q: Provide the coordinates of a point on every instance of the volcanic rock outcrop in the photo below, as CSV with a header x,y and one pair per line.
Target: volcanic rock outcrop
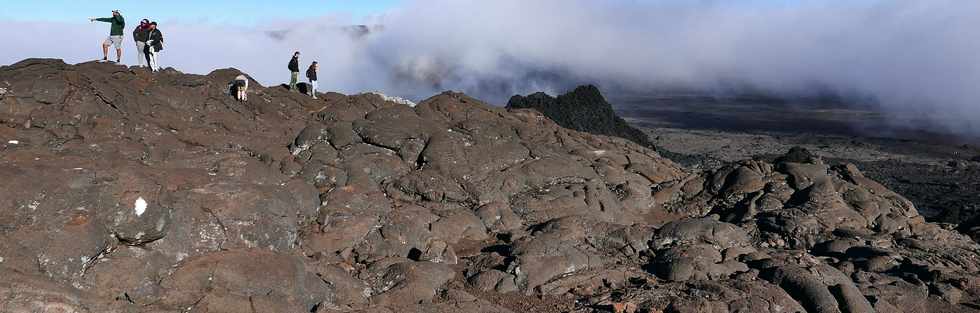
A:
x,y
126,191
582,109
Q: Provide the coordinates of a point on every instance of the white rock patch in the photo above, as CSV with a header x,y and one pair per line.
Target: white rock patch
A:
x,y
398,100
140,206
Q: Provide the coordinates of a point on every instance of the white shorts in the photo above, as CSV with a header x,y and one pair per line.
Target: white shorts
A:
x,y
115,41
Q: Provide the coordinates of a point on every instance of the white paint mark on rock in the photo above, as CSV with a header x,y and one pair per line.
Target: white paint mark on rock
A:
x,y
140,206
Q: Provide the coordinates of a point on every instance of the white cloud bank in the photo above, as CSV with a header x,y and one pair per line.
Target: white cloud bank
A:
x,y
915,57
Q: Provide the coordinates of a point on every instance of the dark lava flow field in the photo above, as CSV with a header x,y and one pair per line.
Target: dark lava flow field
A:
x,y
940,173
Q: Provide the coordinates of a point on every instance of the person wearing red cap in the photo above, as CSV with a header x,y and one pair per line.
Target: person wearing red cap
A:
x,y
141,34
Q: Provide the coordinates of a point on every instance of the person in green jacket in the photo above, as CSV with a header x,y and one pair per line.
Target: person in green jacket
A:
x,y
115,34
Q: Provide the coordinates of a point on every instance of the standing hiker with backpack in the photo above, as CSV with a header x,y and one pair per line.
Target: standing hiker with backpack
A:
x,y
294,71
141,34
311,75
115,34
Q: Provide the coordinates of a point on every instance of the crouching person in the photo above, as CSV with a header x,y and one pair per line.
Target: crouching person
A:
x,y
240,85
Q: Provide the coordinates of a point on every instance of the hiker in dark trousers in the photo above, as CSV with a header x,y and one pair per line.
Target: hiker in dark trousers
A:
x,y
311,75
115,34
294,71
154,44
141,34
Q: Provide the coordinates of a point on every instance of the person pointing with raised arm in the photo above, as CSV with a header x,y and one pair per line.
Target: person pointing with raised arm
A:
x,y
115,34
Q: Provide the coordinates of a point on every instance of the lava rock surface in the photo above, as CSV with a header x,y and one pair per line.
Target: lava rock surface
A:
x,y
126,191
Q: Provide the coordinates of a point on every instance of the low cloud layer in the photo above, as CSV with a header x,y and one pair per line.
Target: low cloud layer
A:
x,y
916,60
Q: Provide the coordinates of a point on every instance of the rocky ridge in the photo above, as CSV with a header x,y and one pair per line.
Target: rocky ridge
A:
x,y
127,191
582,109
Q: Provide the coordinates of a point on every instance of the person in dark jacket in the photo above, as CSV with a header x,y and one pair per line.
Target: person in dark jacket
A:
x,y
141,34
115,34
154,44
311,75
294,71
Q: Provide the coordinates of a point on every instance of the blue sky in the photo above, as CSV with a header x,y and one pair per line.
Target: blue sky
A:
x,y
211,11
251,11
